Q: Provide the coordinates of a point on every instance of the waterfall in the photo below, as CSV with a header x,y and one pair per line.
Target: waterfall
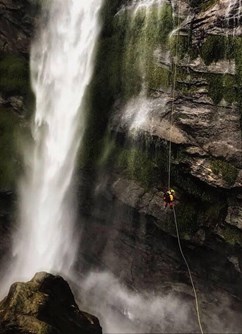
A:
x,y
145,32
61,69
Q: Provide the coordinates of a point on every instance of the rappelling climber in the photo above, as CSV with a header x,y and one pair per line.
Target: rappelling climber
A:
x,y
169,197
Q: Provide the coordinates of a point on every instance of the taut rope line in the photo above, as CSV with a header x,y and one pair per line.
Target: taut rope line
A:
x,y
190,274
169,177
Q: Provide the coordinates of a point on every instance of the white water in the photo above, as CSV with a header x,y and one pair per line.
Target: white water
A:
x,y
140,4
61,69
136,113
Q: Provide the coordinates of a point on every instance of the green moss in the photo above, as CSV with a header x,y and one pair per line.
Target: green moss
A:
x,y
9,135
217,47
182,74
232,235
179,45
213,49
166,25
136,165
215,87
125,63
220,86
148,30
184,82
158,77
14,74
229,88
238,76
228,172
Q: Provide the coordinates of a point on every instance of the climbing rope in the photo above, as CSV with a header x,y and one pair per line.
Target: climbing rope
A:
x,y
169,174
173,89
190,274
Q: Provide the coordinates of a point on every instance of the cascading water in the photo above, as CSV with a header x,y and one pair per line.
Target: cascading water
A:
x,y
143,36
61,67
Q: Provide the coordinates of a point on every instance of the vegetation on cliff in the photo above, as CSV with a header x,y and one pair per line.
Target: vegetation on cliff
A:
x,y
136,53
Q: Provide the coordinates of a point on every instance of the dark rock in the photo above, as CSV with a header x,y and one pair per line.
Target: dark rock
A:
x,y
136,249
15,103
44,305
16,25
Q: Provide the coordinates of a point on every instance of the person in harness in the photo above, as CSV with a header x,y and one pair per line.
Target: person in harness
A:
x,y
169,197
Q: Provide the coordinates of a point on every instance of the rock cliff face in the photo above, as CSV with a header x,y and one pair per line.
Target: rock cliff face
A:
x,y
172,77
44,305
153,69
176,62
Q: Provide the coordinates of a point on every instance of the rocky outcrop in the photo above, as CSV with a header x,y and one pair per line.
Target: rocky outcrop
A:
x,y
44,305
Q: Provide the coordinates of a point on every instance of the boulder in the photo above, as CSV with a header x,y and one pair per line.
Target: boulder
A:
x,y
44,305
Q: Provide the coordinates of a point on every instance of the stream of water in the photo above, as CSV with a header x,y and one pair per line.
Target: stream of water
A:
x,y
62,61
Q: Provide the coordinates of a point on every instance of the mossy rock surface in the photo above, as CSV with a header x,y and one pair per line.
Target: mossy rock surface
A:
x,y
10,137
44,305
14,74
125,55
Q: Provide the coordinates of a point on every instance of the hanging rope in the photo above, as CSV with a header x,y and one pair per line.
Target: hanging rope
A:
x,y
190,274
173,90
172,111
169,171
